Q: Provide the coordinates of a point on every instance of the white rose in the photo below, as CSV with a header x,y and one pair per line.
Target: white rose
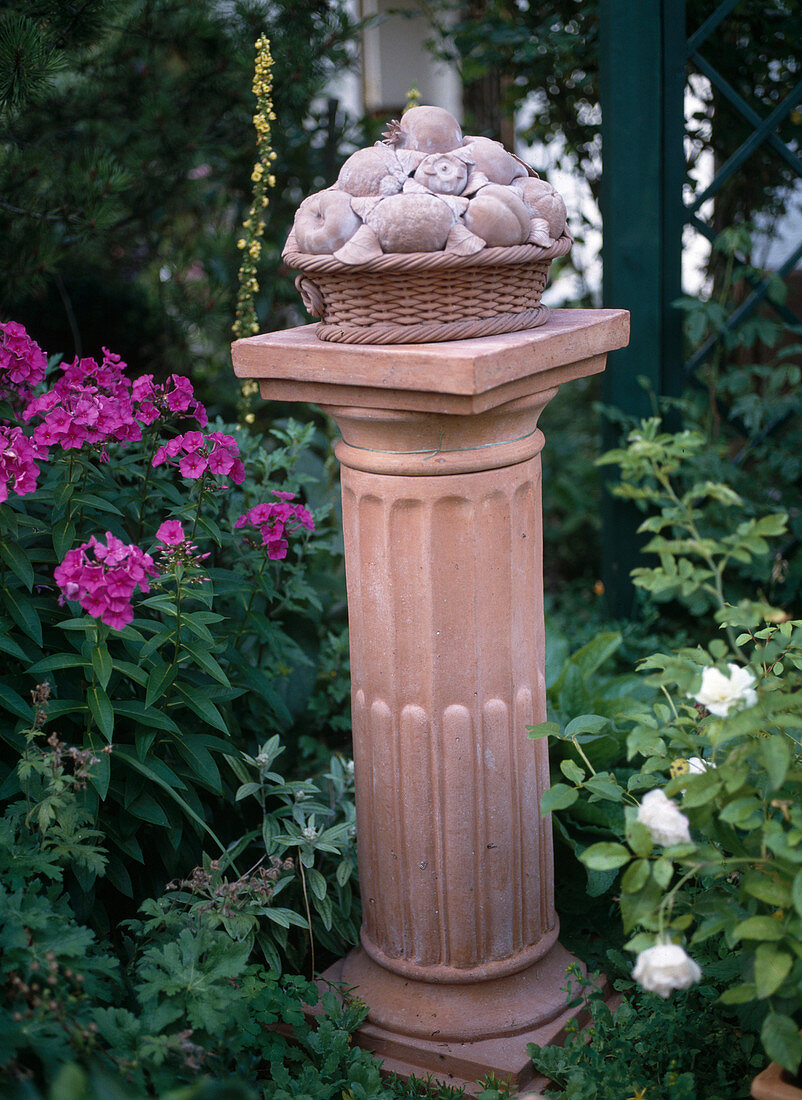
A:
x,y
721,694
664,820
665,967
697,766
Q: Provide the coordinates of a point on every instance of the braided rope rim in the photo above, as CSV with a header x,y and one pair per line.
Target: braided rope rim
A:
x,y
426,261
433,332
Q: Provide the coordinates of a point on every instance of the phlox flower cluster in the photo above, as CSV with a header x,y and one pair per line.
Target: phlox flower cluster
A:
x,y
196,453
175,396
90,403
22,363
96,403
274,519
18,462
102,578
177,549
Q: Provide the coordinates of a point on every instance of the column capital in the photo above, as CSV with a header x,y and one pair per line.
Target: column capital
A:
x,y
460,377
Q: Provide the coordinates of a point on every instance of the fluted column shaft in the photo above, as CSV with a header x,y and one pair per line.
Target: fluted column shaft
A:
x,y
446,623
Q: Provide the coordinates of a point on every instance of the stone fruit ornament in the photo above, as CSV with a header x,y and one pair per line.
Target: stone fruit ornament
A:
x,y
498,216
427,188
325,221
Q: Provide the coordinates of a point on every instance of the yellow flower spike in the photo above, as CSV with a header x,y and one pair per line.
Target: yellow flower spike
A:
x,y
254,226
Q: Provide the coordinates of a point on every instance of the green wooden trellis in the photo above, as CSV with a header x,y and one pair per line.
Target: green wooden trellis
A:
x,y
645,57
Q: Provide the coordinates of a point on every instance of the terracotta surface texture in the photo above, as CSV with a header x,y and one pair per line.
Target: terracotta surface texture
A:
x,y
459,960
774,1084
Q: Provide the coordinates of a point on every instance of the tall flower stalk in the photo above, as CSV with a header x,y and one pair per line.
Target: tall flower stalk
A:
x,y
262,177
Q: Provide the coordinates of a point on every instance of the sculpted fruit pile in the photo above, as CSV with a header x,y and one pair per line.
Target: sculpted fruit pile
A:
x,y
426,188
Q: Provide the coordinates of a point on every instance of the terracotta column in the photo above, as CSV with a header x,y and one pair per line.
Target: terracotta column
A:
x,y
440,457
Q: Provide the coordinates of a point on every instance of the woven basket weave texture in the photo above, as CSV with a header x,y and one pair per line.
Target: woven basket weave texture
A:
x,y
420,297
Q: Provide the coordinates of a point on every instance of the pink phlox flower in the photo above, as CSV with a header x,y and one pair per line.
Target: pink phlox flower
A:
x,y
22,363
193,440
147,413
180,397
175,396
19,458
304,517
274,520
193,465
216,452
142,388
221,460
171,533
276,548
102,578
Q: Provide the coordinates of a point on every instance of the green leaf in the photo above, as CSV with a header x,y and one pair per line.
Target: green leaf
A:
x,y
586,723
156,642
203,707
200,761
146,808
101,663
663,870
101,710
136,710
207,663
758,928
24,614
160,678
771,969
100,774
557,797
738,994
769,890
13,702
125,753
17,561
60,660
635,877
781,1041
545,729
605,856
572,772
63,537
94,501
639,839
776,755
8,645
317,883
603,788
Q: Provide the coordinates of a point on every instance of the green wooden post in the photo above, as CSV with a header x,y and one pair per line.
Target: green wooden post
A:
x,y
642,91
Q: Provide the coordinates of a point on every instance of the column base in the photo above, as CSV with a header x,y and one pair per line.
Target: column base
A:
x,y
537,1015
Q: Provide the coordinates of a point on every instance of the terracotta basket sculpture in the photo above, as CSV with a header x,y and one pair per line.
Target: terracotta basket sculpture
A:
x,y
427,236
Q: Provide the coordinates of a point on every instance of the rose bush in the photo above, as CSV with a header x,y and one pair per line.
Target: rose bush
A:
x,y
705,814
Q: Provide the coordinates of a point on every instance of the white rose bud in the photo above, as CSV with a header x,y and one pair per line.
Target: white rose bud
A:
x,y
666,823
697,766
722,694
665,967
